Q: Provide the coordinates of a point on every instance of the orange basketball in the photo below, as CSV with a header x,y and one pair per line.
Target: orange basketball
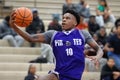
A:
x,y
23,17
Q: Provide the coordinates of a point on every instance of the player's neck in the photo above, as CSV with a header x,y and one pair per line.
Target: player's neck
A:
x,y
70,29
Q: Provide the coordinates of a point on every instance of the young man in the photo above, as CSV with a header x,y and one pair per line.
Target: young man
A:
x,y
113,45
68,47
109,71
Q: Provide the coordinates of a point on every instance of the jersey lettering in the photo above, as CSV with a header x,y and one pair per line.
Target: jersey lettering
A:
x,y
77,41
58,43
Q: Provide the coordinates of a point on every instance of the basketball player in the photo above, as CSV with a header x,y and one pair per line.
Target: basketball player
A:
x,y
68,47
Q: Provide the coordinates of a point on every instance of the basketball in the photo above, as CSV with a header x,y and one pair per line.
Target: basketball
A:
x,y
23,17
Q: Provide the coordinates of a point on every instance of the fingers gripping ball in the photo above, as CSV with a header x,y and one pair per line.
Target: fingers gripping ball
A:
x,y
23,17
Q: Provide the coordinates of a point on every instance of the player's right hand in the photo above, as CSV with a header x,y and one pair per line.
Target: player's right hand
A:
x,y
12,19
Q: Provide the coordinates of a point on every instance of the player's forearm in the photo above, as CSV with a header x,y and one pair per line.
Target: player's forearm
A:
x,y
99,53
25,35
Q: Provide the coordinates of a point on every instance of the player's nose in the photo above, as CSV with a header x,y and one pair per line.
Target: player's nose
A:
x,y
64,20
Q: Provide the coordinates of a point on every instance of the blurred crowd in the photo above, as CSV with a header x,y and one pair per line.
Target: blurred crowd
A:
x,y
94,24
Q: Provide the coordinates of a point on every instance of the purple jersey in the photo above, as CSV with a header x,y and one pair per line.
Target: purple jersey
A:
x,y
68,51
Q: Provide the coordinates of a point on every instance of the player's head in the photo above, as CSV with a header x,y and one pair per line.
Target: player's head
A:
x,y
117,25
70,20
110,62
32,69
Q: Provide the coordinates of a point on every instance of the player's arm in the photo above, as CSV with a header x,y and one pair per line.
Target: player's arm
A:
x,y
28,37
97,48
25,35
90,41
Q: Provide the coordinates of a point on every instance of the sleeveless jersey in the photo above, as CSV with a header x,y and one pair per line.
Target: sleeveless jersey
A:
x,y
68,51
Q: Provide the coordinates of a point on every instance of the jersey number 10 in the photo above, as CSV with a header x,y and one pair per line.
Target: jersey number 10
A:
x,y
69,51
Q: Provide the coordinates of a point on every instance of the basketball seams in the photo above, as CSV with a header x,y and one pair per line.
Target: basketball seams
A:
x,y
19,13
28,15
23,17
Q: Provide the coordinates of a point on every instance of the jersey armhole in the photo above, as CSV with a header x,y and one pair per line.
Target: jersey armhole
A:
x,y
80,31
53,37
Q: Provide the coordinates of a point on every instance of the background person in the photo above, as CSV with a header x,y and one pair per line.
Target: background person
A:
x,y
103,13
31,73
68,5
7,33
113,45
109,71
93,27
55,25
37,25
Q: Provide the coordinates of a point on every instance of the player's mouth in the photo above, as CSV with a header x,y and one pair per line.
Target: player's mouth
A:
x,y
63,24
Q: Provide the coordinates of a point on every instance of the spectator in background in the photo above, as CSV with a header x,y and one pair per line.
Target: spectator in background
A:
x,y
112,32
109,71
102,35
103,13
93,27
54,25
83,8
31,73
68,5
113,45
46,55
37,25
82,24
7,33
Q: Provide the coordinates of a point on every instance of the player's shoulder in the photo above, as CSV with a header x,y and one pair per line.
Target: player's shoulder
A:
x,y
51,31
84,32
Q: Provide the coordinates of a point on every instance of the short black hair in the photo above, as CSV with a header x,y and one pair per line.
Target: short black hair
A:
x,y
75,14
117,23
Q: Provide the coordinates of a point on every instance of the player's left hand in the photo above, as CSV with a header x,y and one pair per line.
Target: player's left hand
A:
x,y
94,59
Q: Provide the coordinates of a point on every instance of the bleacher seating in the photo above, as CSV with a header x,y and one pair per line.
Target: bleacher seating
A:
x,y
46,8
14,61
4,9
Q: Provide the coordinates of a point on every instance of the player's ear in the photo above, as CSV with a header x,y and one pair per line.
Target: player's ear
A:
x,y
75,24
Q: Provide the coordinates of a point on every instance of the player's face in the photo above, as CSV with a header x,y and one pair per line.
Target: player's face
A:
x,y
68,21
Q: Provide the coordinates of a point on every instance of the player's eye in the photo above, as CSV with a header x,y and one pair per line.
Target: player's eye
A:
x,y
67,17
